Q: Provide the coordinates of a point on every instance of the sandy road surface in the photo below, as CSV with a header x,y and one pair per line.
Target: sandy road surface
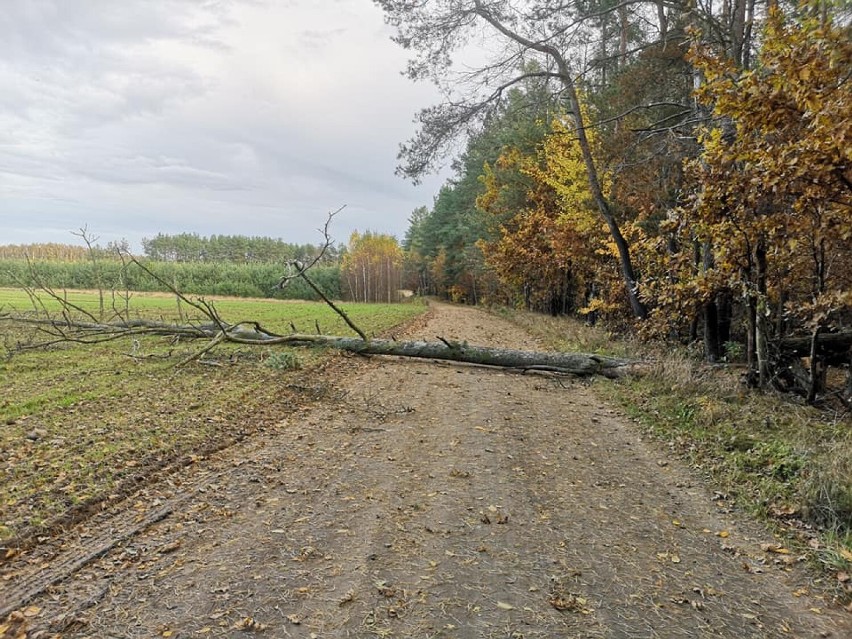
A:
x,y
431,500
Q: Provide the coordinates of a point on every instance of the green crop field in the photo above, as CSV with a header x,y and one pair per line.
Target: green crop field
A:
x,y
81,423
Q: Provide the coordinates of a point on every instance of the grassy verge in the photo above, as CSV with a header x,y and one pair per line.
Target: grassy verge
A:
x,y
786,463
80,424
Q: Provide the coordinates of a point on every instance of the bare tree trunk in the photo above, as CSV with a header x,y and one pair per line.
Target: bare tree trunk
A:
x,y
749,24
390,279
89,240
751,341
582,364
663,20
723,306
625,259
815,372
712,350
761,325
712,347
738,31
624,25
366,282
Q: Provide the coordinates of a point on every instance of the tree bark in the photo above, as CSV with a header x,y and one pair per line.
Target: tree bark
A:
x,y
723,307
738,31
761,326
712,345
751,317
817,380
580,364
623,26
663,21
712,348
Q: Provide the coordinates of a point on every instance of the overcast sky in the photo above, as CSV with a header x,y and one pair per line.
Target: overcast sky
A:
x,y
251,117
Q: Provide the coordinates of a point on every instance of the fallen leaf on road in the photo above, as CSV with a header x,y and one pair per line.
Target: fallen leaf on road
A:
x,y
569,601
776,548
248,624
170,547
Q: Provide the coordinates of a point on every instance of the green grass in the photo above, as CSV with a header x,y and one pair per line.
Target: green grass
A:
x,y
276,315
81,422
787,463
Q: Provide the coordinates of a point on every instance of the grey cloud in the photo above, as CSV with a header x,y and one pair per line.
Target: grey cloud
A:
x,y
160,170
142,116
96,57
316,38
60,31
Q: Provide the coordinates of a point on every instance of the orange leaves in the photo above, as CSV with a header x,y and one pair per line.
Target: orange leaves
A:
x,y
552,242
771,203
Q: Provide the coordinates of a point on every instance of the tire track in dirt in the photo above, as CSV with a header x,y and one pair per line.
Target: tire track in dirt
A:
x,y
433,500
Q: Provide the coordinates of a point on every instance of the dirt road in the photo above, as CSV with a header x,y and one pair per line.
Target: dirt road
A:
x,y
431,500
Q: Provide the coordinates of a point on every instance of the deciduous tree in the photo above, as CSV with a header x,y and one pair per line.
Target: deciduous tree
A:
x,y
773,199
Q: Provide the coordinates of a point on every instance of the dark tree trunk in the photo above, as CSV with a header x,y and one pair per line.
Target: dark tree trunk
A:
x,y
712,347
724,308
631,282
751,317
693,328
761,325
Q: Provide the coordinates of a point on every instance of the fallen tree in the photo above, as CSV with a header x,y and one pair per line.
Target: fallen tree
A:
x,y
820,351
74,324
833,348
251,333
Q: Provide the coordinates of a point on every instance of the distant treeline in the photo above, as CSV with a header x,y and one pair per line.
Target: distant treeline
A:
x,y
44,251
184,247
189,247
200,278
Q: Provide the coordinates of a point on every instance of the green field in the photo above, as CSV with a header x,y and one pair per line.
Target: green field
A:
x,y
81,423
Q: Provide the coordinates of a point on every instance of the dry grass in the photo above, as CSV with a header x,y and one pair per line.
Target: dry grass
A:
x,y
827,490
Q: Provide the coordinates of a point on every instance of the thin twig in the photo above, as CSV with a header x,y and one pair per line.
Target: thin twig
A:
x,y
301,271
220,337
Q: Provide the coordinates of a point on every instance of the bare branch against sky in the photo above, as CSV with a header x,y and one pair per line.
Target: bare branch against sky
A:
x,y
234,117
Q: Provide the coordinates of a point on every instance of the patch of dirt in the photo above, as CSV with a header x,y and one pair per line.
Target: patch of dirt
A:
x,y
428,500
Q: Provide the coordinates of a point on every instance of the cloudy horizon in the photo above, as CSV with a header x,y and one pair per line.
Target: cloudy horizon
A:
x,y
202,116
